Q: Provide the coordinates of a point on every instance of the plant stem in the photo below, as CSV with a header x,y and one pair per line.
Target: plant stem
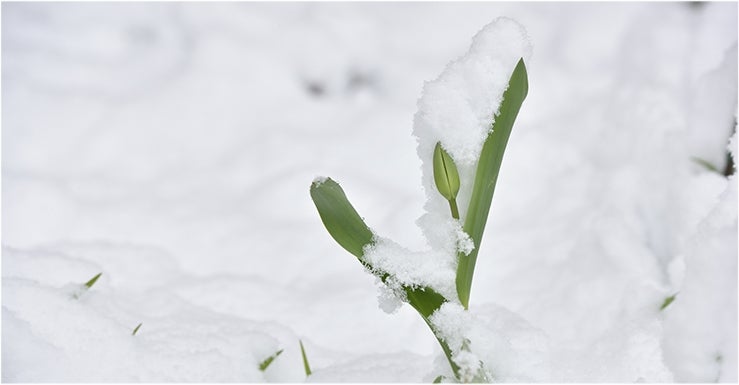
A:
x,y
453,207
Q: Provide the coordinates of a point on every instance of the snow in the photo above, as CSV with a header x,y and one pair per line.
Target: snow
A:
x,y
459,106
458,109
433,269
171,147
708,297
319,180
510,349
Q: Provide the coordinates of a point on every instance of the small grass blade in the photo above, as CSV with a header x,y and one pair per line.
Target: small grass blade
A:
x,y
486,176
265,364
667,302
92,281
438,379
136,329
306,365
79,291
705,164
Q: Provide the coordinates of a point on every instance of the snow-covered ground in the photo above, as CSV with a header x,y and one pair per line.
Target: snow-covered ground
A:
x,y
171,147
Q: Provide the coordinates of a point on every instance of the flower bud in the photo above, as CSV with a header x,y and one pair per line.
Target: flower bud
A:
x,y
445,173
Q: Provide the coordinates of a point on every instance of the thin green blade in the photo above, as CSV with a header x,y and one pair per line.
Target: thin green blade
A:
x,y
705,164
306,365
268,361
668,301
136,329
92,280
339,217
486,176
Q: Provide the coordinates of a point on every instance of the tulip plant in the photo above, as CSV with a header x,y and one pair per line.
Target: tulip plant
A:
x,y
349,230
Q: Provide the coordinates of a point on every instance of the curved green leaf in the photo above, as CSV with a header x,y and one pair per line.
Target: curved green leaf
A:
x,y
347,227
338,215
486,176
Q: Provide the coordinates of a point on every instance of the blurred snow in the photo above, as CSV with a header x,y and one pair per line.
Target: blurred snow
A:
x,y
171,146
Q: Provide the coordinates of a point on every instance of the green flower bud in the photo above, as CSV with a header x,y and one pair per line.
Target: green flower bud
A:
x,y
445,173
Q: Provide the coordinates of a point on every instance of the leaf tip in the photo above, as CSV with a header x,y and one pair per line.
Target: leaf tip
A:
x,y
319,180
306,365
668,301
92,280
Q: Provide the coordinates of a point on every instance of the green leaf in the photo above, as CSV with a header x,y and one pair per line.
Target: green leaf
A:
x,y
306,365
438,379
486,176
339,217
92,281
265,364
348,229
426,301
136,329
667,302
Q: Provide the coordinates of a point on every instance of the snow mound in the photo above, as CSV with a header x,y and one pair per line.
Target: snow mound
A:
x,y
89,339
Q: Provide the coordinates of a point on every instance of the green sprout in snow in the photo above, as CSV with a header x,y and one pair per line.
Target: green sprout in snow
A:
x,y
349,230
306,365
87,286
667,302
268,361
92,281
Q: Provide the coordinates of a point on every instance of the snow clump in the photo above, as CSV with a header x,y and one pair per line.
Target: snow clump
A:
x,y
459,107
507,346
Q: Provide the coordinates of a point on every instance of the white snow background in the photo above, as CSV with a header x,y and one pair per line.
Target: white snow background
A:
x,y
171,146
